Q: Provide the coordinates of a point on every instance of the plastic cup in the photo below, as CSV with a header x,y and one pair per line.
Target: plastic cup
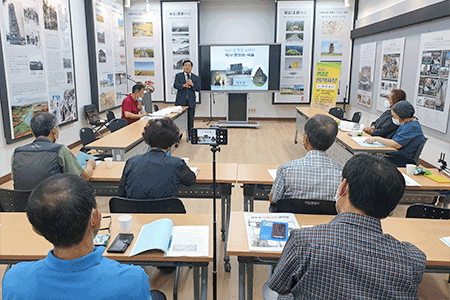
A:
x,y
109,161
410,169
125,223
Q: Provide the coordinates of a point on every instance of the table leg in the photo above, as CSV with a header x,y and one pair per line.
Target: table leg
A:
x,y
249,281
196,282
249,194
226,258
204,295
241,281
223,203
118,154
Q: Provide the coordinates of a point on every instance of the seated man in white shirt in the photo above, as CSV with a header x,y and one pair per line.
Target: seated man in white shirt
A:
x,y
315,176
63,209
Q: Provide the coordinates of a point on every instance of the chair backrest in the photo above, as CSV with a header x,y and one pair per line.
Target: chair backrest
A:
x,y
155,107
427,211
419,151
153,206
356,117
116,124
91,113
87,135
305,206
337,112
13,200
110,115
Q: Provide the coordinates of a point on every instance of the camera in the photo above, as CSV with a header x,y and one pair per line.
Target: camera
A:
x,y
209,136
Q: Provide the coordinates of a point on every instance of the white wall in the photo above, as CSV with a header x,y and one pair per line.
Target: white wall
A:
x,y
372,11
239,22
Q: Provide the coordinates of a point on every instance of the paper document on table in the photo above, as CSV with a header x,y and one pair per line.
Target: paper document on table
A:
x,y
189,241
194,169
273,173
409,181
253,226
446,240
361,141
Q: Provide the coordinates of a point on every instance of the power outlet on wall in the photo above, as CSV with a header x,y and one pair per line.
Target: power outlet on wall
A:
x,y
251,110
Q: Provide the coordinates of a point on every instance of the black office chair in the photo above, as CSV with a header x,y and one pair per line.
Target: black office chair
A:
x,y
356,117
419,151
154,206
305,206
117,124
155,107
13,200
110,115
427,211
157,206
87,136
93,118
337,112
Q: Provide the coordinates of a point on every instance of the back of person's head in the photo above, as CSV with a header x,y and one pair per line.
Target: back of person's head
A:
x,y
398,95
375,185
161,133
60,208
43,123
321,131
137,87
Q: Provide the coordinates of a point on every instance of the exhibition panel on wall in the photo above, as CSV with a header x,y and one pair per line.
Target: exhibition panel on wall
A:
x,y
294,33
332,43
180,30
391,69
144,57
37,69
366,74
106,46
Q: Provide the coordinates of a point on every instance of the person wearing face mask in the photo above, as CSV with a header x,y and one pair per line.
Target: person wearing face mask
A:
x,y
32,163
383,126
351,257
131,105
63,210
408,138
314,176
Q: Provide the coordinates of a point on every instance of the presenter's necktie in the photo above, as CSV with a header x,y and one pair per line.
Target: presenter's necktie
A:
x,y
188,77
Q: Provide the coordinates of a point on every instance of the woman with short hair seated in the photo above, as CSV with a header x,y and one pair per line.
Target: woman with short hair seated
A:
x,y
383,126
408,138
154,175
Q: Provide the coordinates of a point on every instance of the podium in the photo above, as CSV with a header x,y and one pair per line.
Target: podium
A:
x,y
237,113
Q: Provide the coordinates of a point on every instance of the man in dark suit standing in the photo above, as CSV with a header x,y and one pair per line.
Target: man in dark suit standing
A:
x,y
187,84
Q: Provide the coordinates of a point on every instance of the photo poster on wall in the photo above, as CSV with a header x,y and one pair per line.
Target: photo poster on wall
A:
x,y
431,99
37,67
294,33
332,41
180,23
366,74
144,57
391,69
110,61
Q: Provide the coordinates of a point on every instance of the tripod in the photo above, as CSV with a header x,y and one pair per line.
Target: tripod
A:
x,y
214,149
211,101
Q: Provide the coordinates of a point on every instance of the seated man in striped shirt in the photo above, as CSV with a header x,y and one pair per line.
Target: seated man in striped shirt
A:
x,y
351,257
315,176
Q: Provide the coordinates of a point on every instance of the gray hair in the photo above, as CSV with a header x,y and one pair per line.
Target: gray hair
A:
x,y
43,123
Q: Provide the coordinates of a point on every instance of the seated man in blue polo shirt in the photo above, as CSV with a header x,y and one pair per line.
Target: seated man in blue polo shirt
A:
x,y
408,138
63,209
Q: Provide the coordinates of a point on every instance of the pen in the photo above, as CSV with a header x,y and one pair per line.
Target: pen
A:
x,y
170,241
